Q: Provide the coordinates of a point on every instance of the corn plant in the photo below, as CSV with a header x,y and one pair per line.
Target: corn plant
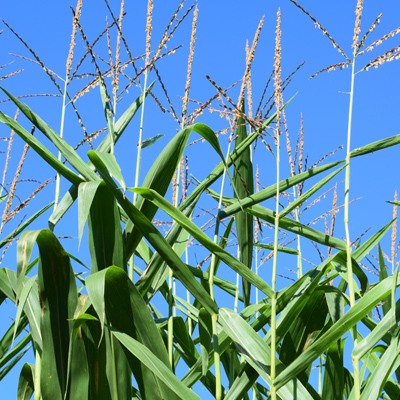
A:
x,y
119,329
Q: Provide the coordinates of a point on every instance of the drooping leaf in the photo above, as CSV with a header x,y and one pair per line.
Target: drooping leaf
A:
x,y
155,365
257,353
104,146
26,386
66,150
355,314
156,240
128,313
41,150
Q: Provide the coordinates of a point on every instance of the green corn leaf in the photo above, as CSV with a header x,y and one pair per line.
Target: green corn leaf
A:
x,y
387,303
24,251
58,297
107,111
176,237
66,150
16,349
205,333
24,225
290,225
300,200
156,240
41,150
158,178
26,385
305,327
219,169
388,362
279,248
257,353
243,180
380,330
355,314
78,369
32,307
104,146
359,253
336,302
333,385
105,232
150,141
97,361
112,165
22,301
154,364
9,367
7,339
128,313
375,146
87,191
5,285
199,235
270,191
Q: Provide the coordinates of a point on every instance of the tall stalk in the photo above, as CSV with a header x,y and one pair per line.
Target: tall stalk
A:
x,y
277,78
75,24
346,224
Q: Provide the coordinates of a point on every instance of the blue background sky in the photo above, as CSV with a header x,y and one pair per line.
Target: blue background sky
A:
x,y
223,27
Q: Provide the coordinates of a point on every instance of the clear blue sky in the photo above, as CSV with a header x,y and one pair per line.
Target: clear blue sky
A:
x,y
223,27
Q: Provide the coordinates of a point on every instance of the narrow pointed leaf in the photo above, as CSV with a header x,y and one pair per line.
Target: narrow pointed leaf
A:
x,y
243,180
300,200
387,303
219,169
205,333
333,385
104,146
355,314
389,361
105,232
26,385
155,365
112,165
86,193
199,235
257,353
279,248
296,227
41,150
58,297
24,225
150,141
375,146
270,191
128,313
147,229
66,150
359,253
